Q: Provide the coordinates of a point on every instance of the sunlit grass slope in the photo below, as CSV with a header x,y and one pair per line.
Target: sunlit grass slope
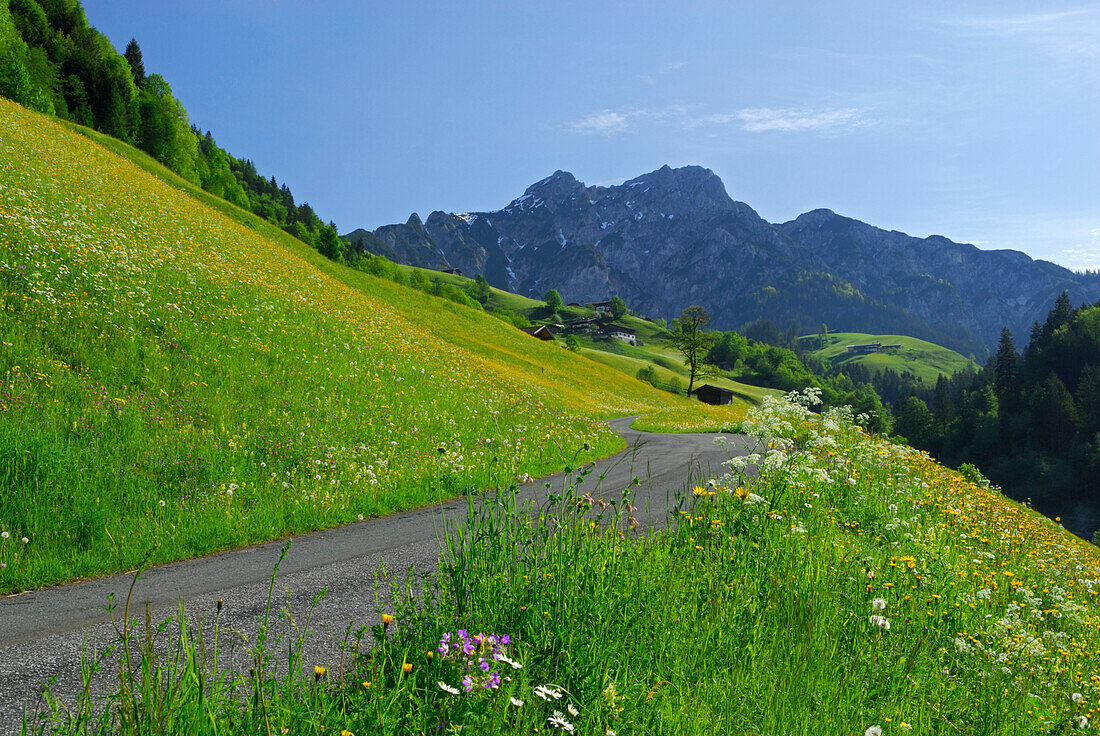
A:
x,y
924,359
852,586
174,380
653,349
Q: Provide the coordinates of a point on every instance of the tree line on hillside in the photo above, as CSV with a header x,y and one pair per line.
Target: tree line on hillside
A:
x,y
1030,420
53,62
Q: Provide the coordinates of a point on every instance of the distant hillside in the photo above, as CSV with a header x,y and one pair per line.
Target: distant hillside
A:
x,y
178,376
921,358
674,237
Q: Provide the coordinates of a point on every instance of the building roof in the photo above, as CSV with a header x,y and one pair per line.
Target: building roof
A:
x,y
619,328
542,332
719,389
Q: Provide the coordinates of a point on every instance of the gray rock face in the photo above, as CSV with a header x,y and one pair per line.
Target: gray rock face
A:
x,y
674,237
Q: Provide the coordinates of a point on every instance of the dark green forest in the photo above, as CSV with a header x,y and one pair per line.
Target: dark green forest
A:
x,y
52,61
1030,420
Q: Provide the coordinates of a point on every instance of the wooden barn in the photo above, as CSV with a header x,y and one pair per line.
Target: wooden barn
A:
x,y
714,394
542,332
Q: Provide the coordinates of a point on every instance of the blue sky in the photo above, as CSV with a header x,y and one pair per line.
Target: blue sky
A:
x,y
977,121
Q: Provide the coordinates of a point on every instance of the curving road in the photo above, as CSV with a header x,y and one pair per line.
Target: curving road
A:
x,y
41,632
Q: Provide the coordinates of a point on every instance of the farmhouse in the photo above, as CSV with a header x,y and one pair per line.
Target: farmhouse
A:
x,y
600,306
453,271
623,333
714,394
588,324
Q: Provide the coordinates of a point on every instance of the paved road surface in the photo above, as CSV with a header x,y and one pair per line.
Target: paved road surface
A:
x,y
41,632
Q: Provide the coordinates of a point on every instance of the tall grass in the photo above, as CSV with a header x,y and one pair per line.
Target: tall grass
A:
x,y
851,586
177,378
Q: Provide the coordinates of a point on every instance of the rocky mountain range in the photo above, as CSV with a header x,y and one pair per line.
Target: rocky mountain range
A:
x,y
674,237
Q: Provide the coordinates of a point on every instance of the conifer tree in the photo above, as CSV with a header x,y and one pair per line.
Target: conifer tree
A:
x,y
1006,371
1088,400
137,67
942,405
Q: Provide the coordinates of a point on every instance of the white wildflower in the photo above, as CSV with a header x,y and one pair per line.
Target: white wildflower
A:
x,y
546,693
447,688
880,622
558,721
879,604
873,731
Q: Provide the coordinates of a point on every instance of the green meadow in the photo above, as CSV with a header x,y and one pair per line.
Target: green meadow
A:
x,y
179,377
853,586
923,359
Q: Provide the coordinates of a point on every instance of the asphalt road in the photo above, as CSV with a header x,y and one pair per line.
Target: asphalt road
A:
x,y
42,632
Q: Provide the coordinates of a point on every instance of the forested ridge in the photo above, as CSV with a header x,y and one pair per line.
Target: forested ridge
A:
x,y
1030,420
54,62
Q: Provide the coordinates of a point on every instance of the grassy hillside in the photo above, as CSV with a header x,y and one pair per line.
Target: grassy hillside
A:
x,y
652,350
853,587
924,359
178,376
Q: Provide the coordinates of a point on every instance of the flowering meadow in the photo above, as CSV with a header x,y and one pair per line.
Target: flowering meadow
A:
x,y
836,583
178,376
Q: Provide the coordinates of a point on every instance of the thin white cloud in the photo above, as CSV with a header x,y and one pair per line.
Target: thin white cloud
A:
x,y
671,66
605,122
764,119
1069,34
750,119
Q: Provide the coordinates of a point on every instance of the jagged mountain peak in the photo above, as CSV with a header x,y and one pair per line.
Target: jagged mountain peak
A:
x,y
813,218
695,185
557,186
674,237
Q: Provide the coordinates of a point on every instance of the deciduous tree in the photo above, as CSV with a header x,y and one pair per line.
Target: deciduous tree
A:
x,y
692,340
618,307
553,300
